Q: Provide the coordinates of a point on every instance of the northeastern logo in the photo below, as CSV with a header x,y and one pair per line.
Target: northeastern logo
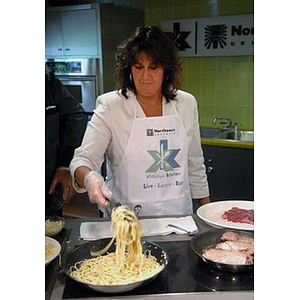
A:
x,y
163,131
149,132
215,36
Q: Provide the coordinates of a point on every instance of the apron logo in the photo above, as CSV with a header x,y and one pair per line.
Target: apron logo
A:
x,y
164,131
150,132
164,159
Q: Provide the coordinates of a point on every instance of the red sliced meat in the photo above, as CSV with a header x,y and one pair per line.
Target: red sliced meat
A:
x,y
239,215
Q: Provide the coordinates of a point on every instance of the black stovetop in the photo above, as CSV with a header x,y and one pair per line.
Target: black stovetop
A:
x,y
185,273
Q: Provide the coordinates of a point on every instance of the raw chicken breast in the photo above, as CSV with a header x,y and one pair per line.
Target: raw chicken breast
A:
x,y
231,257
238,246
229,236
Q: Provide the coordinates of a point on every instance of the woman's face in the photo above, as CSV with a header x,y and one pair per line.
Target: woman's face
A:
x,y
147,76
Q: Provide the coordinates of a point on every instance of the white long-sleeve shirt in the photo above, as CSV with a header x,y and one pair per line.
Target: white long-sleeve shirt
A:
x,y
110,127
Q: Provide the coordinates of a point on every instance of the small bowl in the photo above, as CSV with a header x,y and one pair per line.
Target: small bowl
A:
x,y
54,225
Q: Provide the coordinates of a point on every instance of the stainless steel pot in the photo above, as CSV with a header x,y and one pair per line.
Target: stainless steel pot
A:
x,y
83,252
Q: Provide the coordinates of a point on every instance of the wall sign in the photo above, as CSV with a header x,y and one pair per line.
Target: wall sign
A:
x,y
216,36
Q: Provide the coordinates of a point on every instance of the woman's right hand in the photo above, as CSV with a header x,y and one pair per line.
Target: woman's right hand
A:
x,y
97,189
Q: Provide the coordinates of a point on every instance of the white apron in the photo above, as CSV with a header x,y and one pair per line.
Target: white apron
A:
x,y
153,171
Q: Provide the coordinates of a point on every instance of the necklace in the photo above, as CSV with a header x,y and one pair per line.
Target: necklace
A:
x,y
151,108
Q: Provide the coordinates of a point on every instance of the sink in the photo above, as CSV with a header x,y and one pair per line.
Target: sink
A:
x,y
210,133
227,134
241,135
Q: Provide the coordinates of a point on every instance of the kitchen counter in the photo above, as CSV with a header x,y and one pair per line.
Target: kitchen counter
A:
x,y
227,137
57,282
227,143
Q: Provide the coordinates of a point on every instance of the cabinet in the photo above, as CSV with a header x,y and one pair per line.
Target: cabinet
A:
x,y
72,33
230,172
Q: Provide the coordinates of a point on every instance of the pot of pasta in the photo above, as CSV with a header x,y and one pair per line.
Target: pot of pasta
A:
x,y
120,264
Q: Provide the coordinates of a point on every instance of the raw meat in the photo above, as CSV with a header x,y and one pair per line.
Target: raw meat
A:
x,y
231,257
238,246
229,236
246,240
233,237
239,215
234,249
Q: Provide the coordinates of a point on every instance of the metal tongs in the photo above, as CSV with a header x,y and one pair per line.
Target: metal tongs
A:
x,y
137,209
113,204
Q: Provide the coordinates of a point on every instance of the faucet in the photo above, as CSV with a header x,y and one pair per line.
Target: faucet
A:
x,y
229,127
226,122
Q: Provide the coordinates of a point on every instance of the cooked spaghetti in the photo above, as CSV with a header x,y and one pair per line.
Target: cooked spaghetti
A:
x,y
49,251
53,227
127,264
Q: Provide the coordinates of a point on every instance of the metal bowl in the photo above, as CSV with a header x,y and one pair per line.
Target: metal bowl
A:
x,y
83,252
206,240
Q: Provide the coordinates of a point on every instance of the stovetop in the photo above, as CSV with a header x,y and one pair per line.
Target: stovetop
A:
x,y
185,273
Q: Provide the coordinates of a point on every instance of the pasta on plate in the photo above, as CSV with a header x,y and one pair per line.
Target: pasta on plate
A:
x,y
49,251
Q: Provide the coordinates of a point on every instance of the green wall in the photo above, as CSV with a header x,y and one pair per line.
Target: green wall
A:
x,y
223,86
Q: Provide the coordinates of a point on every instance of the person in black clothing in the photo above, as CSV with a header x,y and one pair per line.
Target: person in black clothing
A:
x,y
65,123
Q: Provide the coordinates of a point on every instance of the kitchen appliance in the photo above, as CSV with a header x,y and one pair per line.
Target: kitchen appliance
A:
x,y
185,273
82,77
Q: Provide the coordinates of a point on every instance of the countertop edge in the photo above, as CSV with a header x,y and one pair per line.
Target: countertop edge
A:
x,y
227,143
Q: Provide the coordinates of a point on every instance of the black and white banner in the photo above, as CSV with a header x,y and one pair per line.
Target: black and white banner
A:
x,y
215,36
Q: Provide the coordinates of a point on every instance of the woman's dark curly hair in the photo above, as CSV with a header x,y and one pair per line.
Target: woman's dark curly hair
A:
x,y
154,42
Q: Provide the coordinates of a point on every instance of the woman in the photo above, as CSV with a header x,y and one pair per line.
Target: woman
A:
x,y
149,131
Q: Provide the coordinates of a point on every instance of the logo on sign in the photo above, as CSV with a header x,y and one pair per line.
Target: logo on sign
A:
x,y
215,36
179,37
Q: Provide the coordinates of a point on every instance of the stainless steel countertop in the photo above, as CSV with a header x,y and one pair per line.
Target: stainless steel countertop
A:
x,y
74,225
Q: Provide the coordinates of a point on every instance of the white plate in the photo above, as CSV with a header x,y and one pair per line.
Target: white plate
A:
x,y
51,241
212,213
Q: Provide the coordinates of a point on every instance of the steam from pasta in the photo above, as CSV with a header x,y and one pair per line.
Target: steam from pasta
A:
x,y
127,264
